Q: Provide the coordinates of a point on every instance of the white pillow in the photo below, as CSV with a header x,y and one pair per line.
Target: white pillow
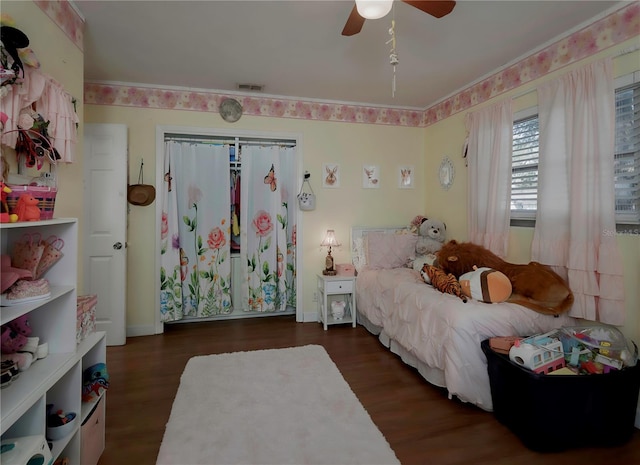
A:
x,y
386,251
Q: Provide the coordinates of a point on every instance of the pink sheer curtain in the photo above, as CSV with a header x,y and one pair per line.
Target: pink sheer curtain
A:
x,y
575,223
489,190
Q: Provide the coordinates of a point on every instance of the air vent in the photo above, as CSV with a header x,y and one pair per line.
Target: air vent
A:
x,y
251,87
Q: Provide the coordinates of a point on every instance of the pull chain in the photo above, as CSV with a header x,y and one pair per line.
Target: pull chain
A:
x,y
393,55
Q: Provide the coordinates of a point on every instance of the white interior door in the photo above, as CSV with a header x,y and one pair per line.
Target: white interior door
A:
x,y
105,226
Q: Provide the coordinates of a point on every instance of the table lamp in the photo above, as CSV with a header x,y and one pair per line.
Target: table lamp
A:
x,y
329,241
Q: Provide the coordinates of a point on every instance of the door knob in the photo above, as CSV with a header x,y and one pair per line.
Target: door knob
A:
x,y
117,245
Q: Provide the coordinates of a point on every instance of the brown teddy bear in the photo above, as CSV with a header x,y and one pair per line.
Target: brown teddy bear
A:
x,y
534,285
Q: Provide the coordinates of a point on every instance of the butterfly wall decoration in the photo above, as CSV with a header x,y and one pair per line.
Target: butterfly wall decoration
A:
x,y
270,179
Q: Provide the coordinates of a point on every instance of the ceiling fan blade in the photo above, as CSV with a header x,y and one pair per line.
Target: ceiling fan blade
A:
x,y
354,23
434,8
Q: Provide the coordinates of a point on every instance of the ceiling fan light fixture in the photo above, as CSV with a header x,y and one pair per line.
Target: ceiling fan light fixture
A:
x,y
373,9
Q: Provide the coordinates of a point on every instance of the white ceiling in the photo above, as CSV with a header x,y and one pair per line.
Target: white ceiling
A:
x,y
295,48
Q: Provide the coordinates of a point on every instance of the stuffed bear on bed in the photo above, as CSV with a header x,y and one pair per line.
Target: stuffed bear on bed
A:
x,y
534,285
431,237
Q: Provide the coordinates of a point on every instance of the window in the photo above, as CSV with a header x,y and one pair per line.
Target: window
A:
x,y
627,155
524,168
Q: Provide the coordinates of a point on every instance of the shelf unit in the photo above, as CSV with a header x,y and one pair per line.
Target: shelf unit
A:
x,y
57,378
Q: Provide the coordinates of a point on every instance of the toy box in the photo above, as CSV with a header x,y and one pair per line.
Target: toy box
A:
x,y
553,413
86,316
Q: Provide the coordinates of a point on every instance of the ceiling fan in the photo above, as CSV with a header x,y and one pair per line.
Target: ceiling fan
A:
x,y
435,8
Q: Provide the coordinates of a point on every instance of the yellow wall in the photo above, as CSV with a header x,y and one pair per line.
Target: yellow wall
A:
x,y
349,145
447,138
63,61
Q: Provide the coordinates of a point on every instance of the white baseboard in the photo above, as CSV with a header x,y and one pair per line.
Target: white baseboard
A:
x,y
308,317
134,331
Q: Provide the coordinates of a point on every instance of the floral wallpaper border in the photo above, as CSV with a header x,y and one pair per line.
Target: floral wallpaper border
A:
x,y
66,17
611,30
619,26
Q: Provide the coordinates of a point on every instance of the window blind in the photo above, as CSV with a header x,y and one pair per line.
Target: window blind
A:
x,y
627,155
524,168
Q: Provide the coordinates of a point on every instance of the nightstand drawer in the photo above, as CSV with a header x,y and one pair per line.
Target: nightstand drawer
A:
x,y
339,286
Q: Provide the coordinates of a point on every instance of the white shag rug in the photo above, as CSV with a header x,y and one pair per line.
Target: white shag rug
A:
x,y
278,406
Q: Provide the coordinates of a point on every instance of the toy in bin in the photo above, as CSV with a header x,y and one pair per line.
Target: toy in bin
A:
x,y
540,354
95,382
597,348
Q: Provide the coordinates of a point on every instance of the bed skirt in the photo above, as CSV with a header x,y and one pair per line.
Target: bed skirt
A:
x,y
434,376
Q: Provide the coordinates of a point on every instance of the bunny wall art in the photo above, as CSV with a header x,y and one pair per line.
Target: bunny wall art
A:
x,y
331,173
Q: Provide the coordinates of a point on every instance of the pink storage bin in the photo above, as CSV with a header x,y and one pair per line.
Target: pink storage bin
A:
x,y
92,436
86,316
345,269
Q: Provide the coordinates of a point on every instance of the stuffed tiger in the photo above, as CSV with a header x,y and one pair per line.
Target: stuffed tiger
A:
x,y
445,283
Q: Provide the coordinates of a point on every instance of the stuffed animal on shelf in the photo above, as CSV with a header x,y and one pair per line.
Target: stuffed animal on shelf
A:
x,y
534,285
27,208
486,285
5,216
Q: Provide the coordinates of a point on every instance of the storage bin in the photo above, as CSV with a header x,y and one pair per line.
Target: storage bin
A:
x,y
558,412
46,197
86,316
92,435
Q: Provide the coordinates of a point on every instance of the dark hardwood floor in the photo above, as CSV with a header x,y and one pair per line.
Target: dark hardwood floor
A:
x,y
421,424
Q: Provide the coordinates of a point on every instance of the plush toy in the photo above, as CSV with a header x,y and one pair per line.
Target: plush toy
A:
x,y
5,216
421,260
445,283
27,208
414,226
486,285
95,380
431,238
534,285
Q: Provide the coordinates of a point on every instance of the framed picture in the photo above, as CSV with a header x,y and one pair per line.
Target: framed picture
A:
x,y
370,176
405,177
330,175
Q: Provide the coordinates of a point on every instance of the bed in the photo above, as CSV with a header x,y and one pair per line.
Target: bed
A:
x,y
436,333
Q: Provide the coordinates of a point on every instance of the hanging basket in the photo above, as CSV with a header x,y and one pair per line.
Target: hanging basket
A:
x,y
306,200
46,197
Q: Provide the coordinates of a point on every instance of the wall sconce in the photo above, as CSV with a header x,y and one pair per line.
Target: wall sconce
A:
x,y
329,241
373,9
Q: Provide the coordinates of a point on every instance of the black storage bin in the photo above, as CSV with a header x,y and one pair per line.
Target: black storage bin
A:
x,y
558,412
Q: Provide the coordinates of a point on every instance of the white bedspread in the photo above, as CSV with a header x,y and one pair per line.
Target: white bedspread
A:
x,y
442,331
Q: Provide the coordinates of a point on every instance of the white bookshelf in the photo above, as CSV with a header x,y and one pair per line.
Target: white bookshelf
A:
x,y
57,378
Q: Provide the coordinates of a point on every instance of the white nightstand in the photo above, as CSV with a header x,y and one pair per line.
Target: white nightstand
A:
x,y
333,288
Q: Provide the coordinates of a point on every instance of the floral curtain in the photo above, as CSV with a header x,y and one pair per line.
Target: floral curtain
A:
x,y
268,239
195,265
575,223
489,191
